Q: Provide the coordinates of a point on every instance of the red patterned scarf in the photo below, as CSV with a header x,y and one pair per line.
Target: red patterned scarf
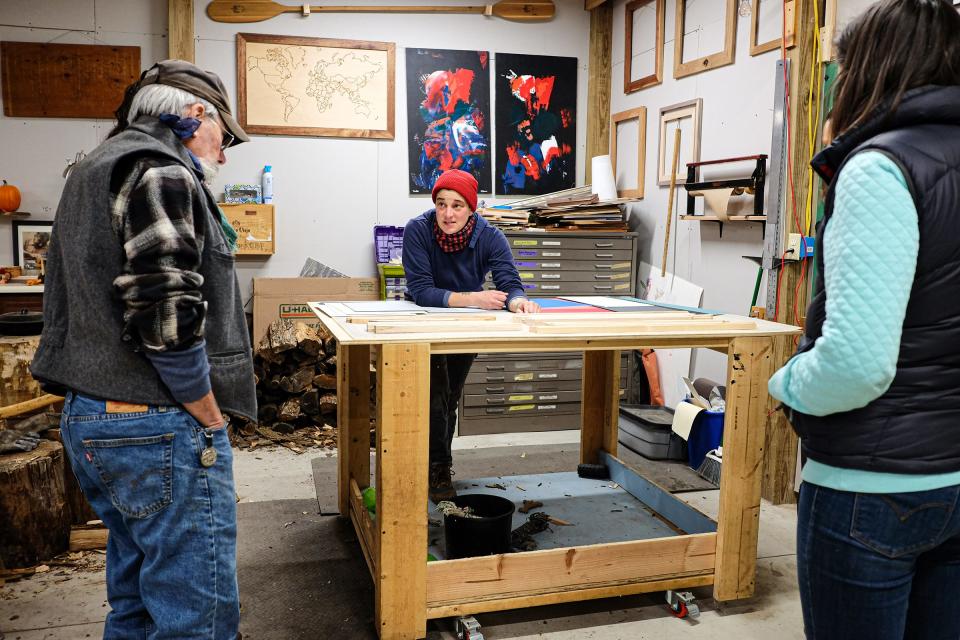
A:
x,y
453,242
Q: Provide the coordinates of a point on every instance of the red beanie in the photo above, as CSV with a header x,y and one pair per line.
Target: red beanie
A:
x,y
460,181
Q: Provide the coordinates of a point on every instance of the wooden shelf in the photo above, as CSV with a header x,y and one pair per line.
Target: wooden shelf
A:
x,y
14,214
729,219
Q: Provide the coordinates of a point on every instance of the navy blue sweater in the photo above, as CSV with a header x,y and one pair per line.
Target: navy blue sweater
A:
x,y
432,275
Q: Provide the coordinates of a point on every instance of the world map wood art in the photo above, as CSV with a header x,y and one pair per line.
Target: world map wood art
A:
x,y
315,86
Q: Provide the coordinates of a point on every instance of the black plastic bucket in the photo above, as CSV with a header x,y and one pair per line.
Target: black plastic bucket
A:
x,y
487,535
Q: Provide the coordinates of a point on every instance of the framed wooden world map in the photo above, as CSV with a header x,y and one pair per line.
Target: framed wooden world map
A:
x,y
315,86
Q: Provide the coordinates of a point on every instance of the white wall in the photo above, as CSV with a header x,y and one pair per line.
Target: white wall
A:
x,y
329,192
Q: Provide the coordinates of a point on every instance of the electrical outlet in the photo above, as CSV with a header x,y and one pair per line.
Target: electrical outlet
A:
x,y
793,247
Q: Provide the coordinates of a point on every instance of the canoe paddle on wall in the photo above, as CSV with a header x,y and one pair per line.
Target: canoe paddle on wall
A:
x,y
259,10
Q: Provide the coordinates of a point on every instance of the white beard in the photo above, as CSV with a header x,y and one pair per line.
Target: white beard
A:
x,y
210,171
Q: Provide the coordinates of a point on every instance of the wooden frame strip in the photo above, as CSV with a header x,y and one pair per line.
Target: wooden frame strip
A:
x,y
640,115
606,329
655,78
432,327
683,69
756,48
537,573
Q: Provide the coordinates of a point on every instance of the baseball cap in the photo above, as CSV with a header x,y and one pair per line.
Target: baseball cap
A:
x,y
203,84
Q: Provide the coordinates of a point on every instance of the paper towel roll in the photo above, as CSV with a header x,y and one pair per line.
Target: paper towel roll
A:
x,y
604,184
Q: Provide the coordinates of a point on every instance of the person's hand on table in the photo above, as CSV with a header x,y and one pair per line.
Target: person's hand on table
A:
x,y
523,305
490,300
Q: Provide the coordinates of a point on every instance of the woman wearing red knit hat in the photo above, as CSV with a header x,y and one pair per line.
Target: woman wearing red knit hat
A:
x,y
447,253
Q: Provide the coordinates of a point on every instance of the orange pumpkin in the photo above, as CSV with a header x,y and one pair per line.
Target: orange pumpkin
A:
x,y
9,198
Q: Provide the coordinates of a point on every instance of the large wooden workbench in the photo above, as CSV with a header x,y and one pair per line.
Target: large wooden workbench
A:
x,y
409,590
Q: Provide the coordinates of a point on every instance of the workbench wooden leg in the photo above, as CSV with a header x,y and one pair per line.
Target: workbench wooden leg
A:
x,y
780,450
748,369
353,420
600,404
403,430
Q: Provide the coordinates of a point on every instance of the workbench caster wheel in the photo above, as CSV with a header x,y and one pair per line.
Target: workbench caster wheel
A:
x,y
468,628
682,604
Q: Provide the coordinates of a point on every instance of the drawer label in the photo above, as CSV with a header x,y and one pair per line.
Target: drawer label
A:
x,y
550,243
546,407
526,265
547,376
526,275
552,254
551,276
545,398
522,398
550,265
552,287
524,243
522,407
522,377
527,254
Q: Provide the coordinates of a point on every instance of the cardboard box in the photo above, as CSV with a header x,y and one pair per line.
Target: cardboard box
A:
x,y
288,297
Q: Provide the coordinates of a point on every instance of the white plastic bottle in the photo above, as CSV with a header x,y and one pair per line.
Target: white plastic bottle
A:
x,y
267,184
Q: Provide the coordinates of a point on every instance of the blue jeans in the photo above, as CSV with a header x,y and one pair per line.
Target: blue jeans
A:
x,y
879,566
172,549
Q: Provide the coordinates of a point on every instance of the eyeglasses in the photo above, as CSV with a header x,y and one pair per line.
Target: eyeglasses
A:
x,y
227,138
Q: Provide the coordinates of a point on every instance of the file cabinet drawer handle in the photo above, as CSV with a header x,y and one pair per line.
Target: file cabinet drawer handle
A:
x,y
603,255
497,410
603,245
495,367
495,389
495,378
602,287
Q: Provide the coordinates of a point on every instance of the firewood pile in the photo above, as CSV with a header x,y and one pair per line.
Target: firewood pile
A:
x,y
296,372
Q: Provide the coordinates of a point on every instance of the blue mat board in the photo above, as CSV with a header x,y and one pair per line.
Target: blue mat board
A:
x,y
600,510
670,507
677,307
558,303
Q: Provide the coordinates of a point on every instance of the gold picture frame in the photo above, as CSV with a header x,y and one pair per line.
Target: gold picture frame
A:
x,y
640,115
655,78
692,109
682,69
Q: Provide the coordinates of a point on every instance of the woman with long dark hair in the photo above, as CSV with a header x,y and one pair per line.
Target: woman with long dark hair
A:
x,y
874,391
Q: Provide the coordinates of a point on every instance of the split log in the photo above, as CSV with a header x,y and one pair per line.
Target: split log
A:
x,y
297,382
268,413
283,335
290,410
34,515
325,381
85,537
328,403
16,383
308,341
310,402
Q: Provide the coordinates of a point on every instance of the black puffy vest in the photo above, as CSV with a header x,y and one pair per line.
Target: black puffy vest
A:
x,y
915,426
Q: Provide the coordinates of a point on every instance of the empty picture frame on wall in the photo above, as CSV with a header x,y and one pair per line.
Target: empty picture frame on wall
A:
x,y
643,49
721,58
623,124
767,16
686,116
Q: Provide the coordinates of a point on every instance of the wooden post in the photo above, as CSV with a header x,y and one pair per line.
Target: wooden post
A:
x,y
781,440
748,369
600,402
598,84
16,383
180,30
403,434
353,420
780,448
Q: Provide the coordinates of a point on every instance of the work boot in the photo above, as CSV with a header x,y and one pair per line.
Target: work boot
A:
x,y
441,484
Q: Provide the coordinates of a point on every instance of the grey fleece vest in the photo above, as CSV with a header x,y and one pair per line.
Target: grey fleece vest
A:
x,y
81,348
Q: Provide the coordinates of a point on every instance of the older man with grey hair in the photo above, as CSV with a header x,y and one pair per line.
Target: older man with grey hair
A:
x,y
144,334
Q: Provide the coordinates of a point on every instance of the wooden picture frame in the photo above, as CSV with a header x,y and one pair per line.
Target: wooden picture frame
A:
x,y
372,100
655,78
682,69
30,238
640,115
790,6
690,109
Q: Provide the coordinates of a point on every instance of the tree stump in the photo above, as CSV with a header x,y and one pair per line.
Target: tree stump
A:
x,y
34,514
16,383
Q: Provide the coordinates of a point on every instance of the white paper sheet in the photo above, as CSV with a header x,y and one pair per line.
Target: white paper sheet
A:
x,y
674,363
605,301
683,418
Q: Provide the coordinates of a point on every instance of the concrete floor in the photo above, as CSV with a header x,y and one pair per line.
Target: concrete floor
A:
x,y
302,575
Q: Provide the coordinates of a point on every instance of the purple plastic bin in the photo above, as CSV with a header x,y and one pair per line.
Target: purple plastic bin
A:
x,y
388,242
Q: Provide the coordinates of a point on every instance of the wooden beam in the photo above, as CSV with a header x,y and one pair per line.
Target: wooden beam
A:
x,y
403,406
364,526
531,574
598,84
749,367
353,418
590,5
180,30
601,397
781,440
780,444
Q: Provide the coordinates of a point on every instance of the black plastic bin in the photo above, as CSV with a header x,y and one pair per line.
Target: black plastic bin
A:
x,y
484,536
646,430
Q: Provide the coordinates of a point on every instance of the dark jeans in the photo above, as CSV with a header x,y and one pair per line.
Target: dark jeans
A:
x,y
447,375
172,550
879,566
